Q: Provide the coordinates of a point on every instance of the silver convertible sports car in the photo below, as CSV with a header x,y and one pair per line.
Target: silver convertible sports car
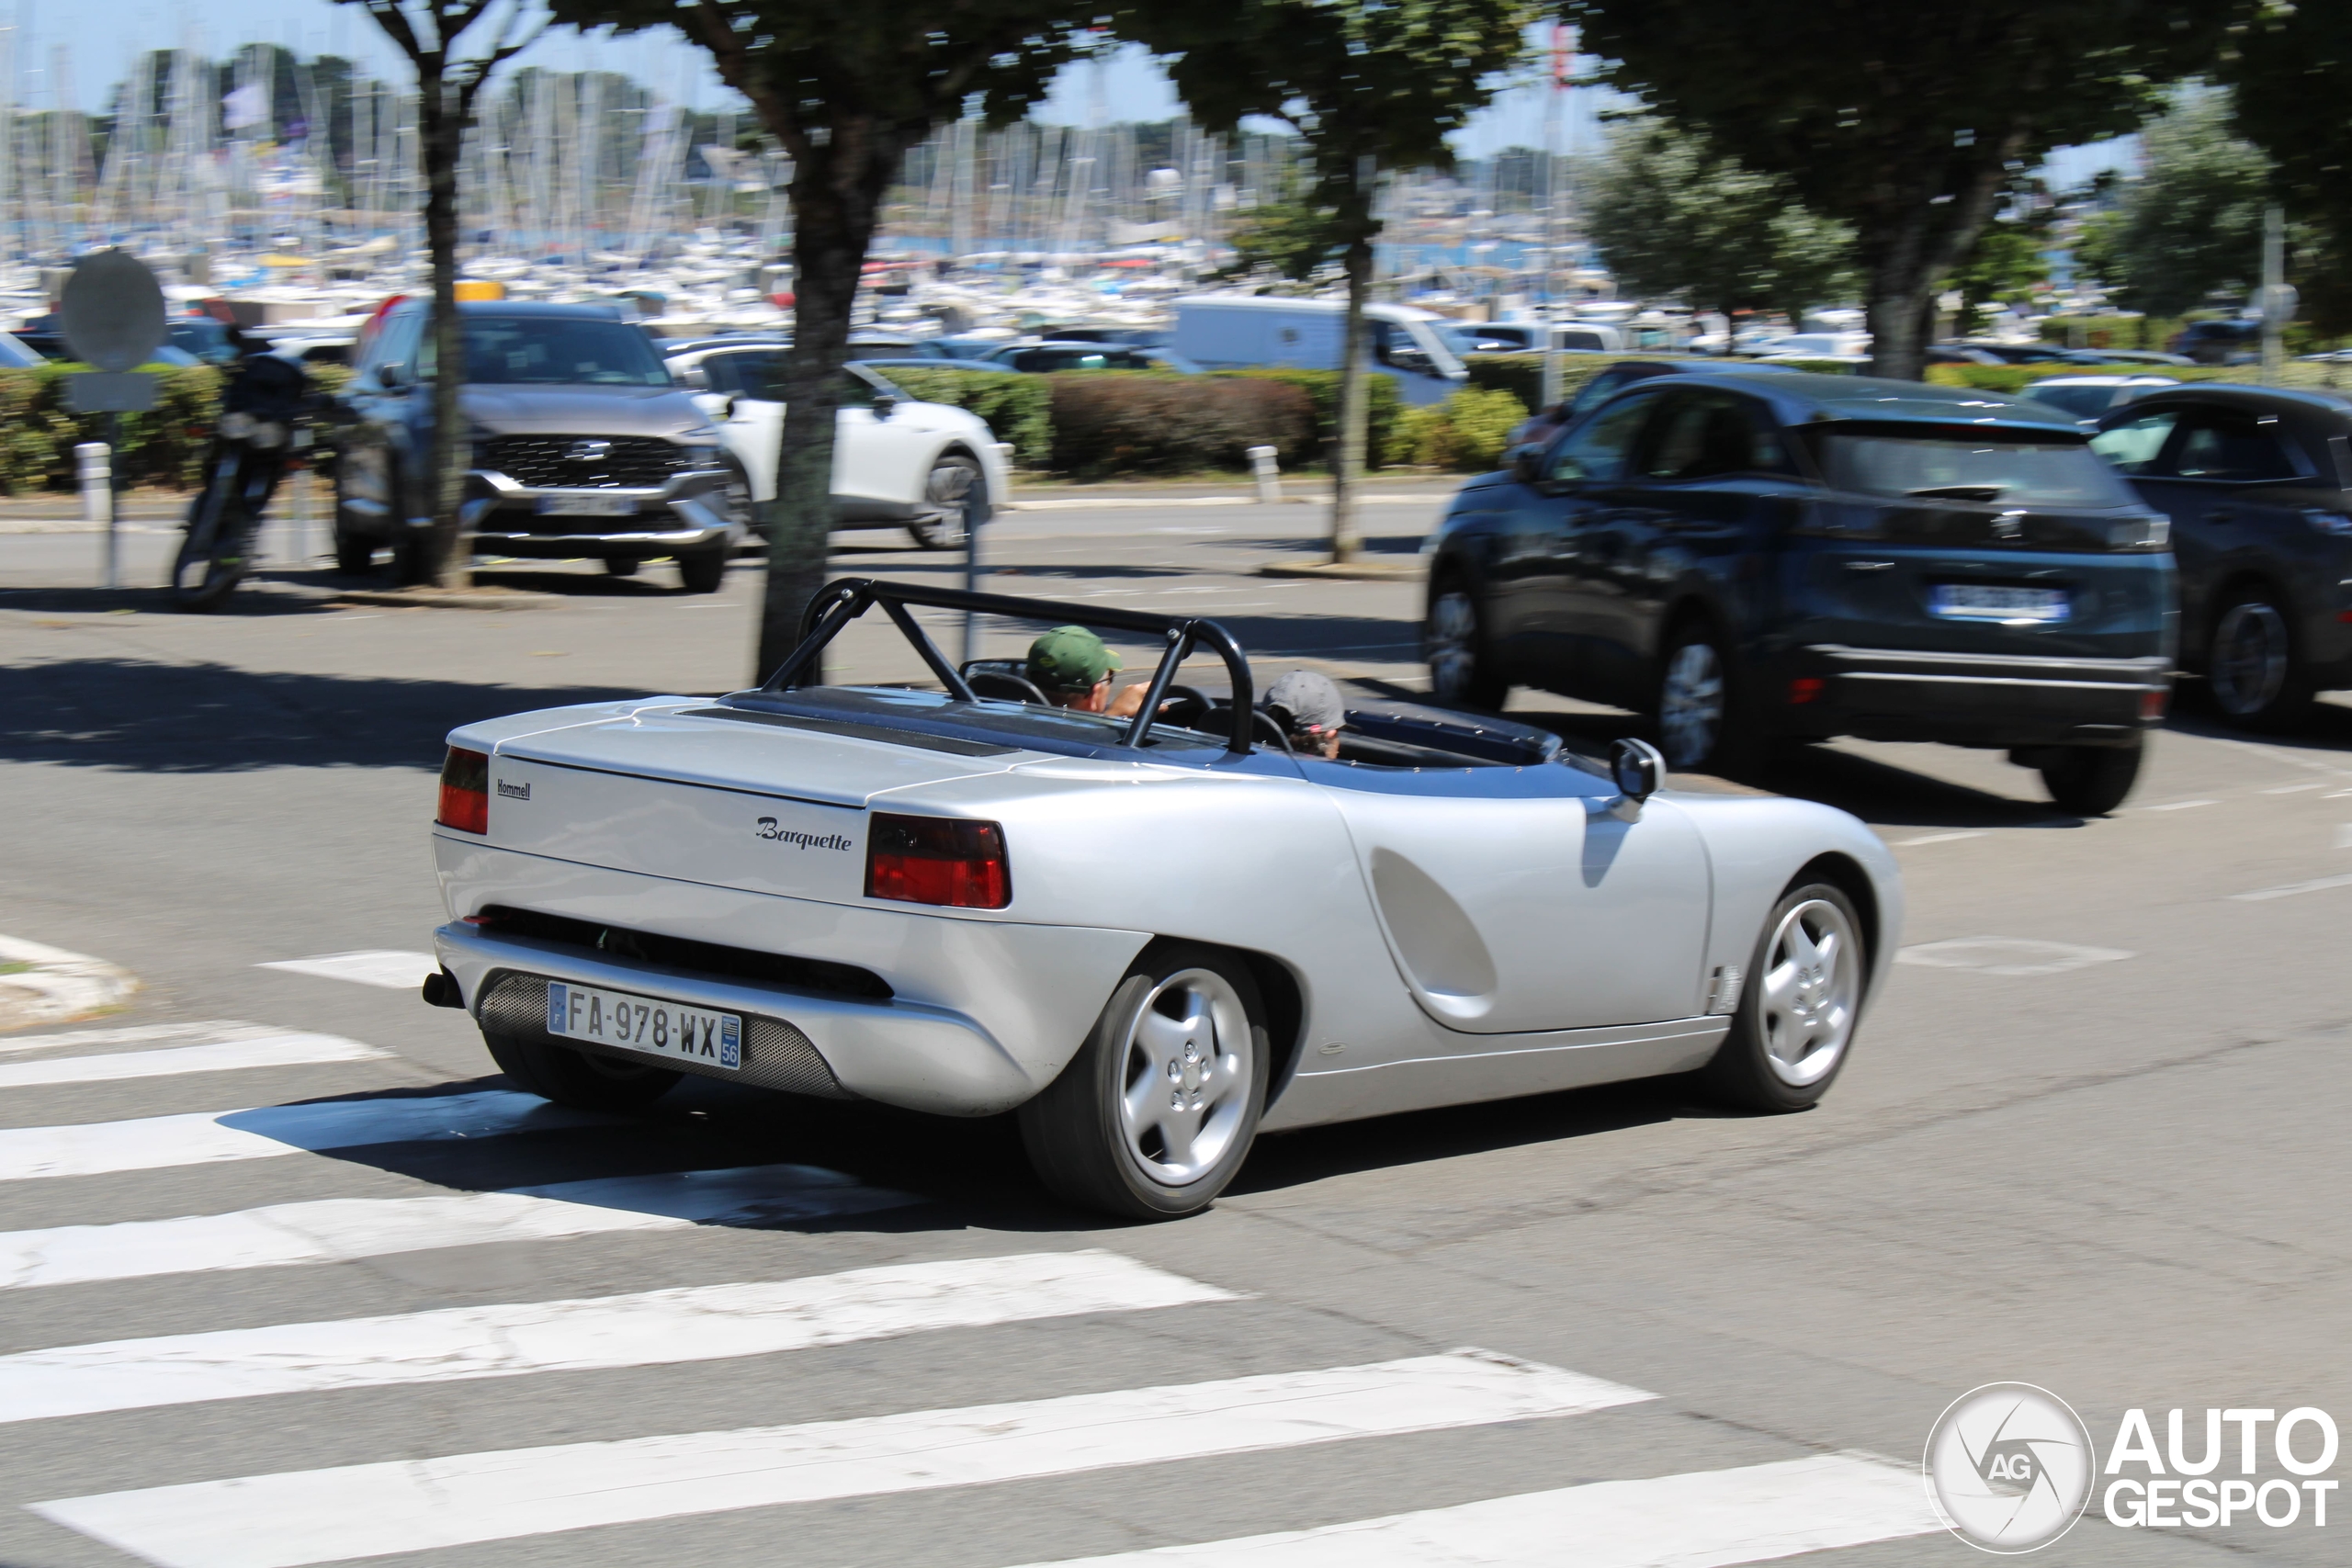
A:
x,y
1153,938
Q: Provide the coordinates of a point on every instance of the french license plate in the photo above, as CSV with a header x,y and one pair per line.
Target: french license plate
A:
x,y
587,506
1991,602
645,1023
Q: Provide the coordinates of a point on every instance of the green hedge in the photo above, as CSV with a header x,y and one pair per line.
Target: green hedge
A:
x,y
38,432
1521,375
2017,377
1465,433
1144,422
1018,407
1381,408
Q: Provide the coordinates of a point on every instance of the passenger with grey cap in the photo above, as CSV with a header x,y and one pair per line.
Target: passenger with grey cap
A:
x,y
1308,708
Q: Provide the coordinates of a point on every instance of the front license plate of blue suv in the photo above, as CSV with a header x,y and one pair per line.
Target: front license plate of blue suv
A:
x,y
645,1023
1992,602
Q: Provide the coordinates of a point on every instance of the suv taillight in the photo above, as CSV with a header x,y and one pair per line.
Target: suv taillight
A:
x,y
465,791
937,860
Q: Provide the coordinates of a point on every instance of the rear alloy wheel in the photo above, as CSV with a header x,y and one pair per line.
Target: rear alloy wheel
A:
x,y
1699,725
1155,1114
1799,1005
2252,669
2091,781
948,494
1462,672
577,1078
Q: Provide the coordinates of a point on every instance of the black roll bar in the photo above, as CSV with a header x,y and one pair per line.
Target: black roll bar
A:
x,y
844,599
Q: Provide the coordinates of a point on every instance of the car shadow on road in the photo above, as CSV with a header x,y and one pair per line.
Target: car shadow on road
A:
x,y
209,717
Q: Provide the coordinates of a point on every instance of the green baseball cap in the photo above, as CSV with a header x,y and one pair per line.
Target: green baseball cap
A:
x,y
1069,658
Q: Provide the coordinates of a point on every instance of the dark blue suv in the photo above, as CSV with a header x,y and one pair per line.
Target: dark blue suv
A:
x,y
1750,558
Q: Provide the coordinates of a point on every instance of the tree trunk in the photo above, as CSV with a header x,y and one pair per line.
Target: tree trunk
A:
x,y
1348,456
440,136
837,183
1922,249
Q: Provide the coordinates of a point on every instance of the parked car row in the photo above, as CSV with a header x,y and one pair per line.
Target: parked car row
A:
x,y
1756,558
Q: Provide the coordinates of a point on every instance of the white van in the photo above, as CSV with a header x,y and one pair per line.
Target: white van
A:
x,y
1249,331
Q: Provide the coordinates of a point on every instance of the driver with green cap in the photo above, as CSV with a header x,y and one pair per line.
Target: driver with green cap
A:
x,y
1072,667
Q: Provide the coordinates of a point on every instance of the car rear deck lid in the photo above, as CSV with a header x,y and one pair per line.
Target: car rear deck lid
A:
x,y
828,760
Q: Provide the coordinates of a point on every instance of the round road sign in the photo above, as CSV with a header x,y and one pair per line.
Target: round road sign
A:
x,y
112,310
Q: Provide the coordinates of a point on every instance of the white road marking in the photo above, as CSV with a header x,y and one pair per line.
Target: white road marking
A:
x,y
326,1516
1939,839
2009,956
336,1230
140,1034
2179,805
1694,1521
208,1137
708,1323
2344,835
265,1051
2317,884
393,971
2297,788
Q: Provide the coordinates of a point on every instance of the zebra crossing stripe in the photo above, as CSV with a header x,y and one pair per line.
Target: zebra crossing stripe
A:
x,y
1701,1519
335,1230
656,1328
328,1516
208,1137
221,1056
138,1034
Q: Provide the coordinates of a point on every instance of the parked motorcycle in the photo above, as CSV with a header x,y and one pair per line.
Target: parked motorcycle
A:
x,y
263,424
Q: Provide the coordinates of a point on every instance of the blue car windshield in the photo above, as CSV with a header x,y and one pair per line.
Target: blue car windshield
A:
x,y
560,351
1968,466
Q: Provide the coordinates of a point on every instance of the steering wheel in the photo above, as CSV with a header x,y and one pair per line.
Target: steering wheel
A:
x,y
1184,707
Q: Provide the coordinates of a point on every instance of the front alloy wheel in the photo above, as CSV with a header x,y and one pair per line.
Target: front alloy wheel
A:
x,y
948,494
1797,1011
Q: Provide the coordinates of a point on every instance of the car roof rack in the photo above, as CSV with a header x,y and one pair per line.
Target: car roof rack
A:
x,y
845,599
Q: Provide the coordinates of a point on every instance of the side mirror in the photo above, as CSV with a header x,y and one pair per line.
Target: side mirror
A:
x,y
726,409
1639,768
391,378
1527,462
885,406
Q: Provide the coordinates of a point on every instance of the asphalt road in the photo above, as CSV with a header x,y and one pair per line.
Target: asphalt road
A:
x,y
2091,1138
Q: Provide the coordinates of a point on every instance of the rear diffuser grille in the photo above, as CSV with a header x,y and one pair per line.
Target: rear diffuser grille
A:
x,y
776,1054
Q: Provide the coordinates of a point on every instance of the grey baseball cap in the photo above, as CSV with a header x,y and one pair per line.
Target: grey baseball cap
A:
x,y
1308,702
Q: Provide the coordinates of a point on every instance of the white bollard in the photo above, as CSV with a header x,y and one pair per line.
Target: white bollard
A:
x,y
1270,477
96,464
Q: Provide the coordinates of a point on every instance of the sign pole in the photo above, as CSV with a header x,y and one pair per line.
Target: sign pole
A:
x,y
97,497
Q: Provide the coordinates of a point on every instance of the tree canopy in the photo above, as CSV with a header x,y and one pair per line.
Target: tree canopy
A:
x,y
2190,225
2291,67
1904,121
1671,215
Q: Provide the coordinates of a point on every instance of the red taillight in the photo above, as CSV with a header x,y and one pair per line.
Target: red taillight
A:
x,y
937,860
2152,705
465,791
1803,689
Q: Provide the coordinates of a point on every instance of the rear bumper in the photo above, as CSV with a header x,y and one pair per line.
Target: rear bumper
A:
x,y
1972,699
911,1054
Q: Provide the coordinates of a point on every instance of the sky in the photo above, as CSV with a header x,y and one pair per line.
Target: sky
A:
x,y
101,37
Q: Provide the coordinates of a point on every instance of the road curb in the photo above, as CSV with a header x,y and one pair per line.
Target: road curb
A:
x,y
1359,571
441,599
54,985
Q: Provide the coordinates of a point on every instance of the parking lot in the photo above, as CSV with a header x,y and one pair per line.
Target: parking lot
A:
x,y
2091,1140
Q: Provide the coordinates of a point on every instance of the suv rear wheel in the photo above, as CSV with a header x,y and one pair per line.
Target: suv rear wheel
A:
x,y
1462,671
2251,667
2091,781
702,571
1702,724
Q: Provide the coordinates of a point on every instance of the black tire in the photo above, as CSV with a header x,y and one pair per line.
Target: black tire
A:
x,y
575,1077
2253,667
1742,1071
702,572
211,560
354,557
949,490
1463,672
1076,1130
2091,781
621,566
1704,721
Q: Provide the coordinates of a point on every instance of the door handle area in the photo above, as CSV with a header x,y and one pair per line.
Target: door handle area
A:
x,y
2220,515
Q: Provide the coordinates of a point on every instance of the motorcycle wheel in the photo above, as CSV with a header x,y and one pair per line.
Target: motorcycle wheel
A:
x,y
212,557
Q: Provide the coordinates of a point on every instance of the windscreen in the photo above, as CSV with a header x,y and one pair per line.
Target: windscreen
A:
x,y
1969,466
561,351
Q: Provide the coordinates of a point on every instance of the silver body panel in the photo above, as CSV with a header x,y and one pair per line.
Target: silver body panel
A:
x,y
1451,935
